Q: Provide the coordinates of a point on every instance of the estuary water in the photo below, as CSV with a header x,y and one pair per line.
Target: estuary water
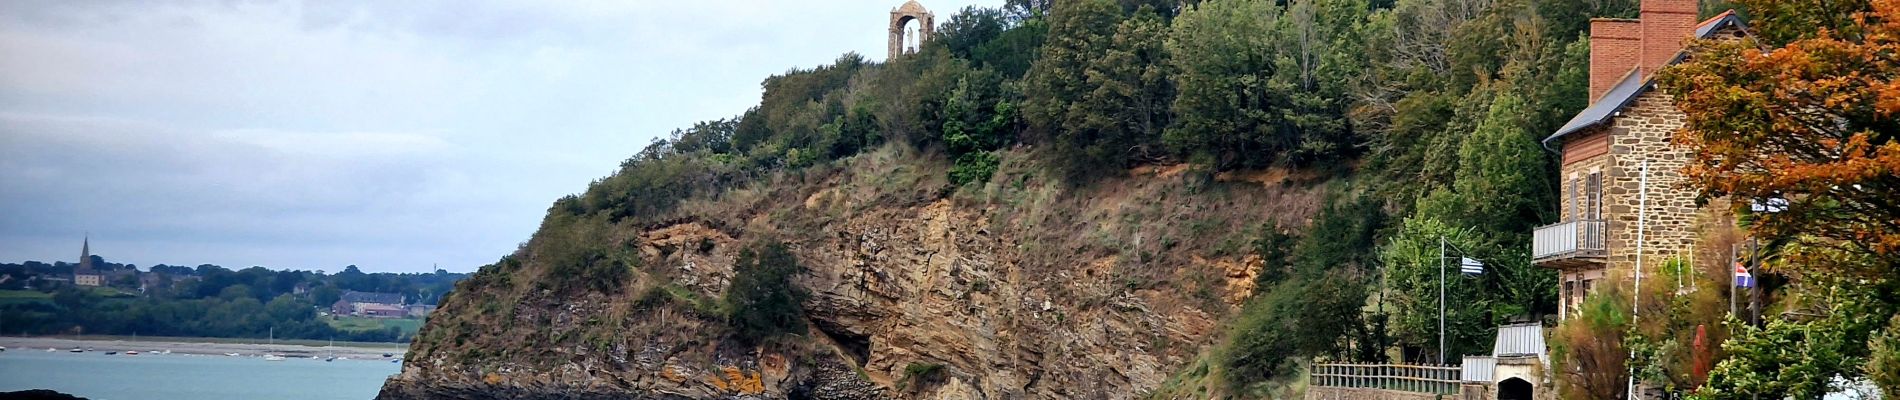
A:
x,y
97,376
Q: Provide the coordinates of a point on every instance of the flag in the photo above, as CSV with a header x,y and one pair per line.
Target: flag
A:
x,y
1470,266
1742,277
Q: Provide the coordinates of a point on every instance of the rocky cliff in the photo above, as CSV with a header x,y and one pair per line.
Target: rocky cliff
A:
x,y
1024,287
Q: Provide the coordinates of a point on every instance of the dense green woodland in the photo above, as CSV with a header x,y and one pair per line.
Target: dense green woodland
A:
x,y
205,301
1423,116
1426,114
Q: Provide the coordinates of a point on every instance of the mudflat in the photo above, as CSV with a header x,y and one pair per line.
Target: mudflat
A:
x,y
209,346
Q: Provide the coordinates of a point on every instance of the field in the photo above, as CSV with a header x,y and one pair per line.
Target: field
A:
x,y
24,296
407,325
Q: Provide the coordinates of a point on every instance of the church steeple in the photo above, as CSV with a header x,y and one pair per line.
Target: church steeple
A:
x,y
85,253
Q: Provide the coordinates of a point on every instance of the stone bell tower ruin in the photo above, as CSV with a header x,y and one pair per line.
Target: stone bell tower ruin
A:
x,y
910,11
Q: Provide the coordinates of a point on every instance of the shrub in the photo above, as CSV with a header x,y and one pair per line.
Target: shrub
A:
x,y
1884,366
1587,350
917,374
762,303
1300,318
973,168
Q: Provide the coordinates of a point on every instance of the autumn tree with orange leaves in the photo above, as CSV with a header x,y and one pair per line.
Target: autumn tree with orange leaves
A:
x,y
1797,125
1811,123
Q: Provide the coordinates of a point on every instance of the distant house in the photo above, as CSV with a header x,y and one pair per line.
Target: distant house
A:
x,y
368,304
151,281
375,310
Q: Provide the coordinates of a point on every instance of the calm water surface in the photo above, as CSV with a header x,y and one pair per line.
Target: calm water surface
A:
x,y
97,376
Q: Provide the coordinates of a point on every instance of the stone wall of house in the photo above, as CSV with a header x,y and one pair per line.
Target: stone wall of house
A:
x,y
1642,132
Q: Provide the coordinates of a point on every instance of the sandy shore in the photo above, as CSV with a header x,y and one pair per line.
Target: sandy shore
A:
x,y
100,345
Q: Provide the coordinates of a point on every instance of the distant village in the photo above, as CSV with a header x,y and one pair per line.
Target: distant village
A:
x,y
50,297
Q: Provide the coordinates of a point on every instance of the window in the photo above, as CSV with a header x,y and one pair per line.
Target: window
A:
x,y
1593,201
1571,211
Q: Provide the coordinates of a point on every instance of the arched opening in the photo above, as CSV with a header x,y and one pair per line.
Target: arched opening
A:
x,y
1514,389
911,26
908,35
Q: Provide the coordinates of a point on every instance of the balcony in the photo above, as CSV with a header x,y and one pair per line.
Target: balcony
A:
x,y
1569,245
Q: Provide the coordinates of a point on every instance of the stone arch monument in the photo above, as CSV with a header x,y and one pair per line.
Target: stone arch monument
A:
x,y
910,11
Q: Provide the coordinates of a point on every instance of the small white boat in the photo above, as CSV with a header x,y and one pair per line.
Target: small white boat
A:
x,y
49,349
76,350
273,357
231,354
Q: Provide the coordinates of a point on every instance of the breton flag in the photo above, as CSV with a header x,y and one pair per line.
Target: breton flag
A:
x,y
1470,266
1742,277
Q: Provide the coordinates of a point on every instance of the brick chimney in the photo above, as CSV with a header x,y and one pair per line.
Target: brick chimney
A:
x,y
1617,45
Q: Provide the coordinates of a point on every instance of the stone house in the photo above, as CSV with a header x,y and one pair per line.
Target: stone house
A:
x,y
1624,200
369,304
378,310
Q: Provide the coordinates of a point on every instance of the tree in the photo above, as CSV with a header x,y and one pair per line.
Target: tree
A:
x,y
761,302
1810,124
1824,335
970,28
1502,186
1098,93
1587,351
1412,273
1298,318
977,121
1124,109
1222,56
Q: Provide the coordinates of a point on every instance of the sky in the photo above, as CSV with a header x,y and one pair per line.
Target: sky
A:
x,y
392,135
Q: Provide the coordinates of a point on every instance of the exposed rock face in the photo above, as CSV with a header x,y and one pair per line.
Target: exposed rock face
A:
x,y
1032,291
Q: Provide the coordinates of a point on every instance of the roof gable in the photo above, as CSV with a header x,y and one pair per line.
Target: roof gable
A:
x,y
352,296
1634,84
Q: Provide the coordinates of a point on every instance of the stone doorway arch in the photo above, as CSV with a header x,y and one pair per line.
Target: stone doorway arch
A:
x,y
910,11
1515,389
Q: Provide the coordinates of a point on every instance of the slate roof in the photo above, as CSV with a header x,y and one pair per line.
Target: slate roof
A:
x,y
351,296
1519,340
1634,84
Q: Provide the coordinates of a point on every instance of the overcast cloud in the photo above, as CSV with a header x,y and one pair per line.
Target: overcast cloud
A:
x,y
392,135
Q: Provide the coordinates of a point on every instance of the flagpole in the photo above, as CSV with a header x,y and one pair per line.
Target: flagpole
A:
x,y
1636,298
1732,276
1441,299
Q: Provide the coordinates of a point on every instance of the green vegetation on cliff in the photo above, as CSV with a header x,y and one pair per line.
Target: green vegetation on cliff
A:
x,y
1407,124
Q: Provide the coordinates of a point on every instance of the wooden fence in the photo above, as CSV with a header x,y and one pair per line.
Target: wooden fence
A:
x,y
1438,379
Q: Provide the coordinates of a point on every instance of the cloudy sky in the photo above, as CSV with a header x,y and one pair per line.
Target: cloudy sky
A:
x,y
392,135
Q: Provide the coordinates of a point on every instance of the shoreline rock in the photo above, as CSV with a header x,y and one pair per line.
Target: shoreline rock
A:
x,y
38,394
